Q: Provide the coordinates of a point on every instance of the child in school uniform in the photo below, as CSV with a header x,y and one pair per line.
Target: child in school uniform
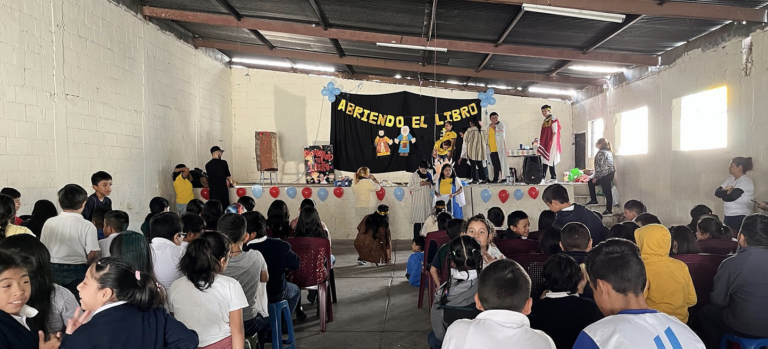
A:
x,y
415,262
206,301
102,187
481,229
454,228
115,222
518,226
125,308
167,247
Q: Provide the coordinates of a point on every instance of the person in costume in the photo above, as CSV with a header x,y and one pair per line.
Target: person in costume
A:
x,y
421,189
442,149
549,143
474,150
374,239
497,148
448,188
448,136
382,144
404,140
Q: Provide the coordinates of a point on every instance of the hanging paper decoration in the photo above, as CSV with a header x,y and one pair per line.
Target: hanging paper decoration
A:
x,y
519,194
380,194
331,91
322,194
241,192
205,193
486,195
338,191
399,194
274,191
257,191
503,196
533,192
306,192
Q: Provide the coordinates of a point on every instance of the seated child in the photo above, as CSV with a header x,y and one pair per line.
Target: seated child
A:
x,y
623,230
193,224
97,218
670,287
575,241
714,237
503,297
248,202
16,324
562,314
115,222
496,216
646,218
16,196
556,198
430,224
455,227
696,213
415,262
167,247
519,226
632,209
617,277
442,221
461,287
683,240
549,241
481,229
126,310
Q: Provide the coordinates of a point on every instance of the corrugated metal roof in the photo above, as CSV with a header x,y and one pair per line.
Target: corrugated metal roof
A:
x,y
390,16
208,31
299,42
466,20
187,5
456,59
370,50
655,35
540,29
292,10
521,64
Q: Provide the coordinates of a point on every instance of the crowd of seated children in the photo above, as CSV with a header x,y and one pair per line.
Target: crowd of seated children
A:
x,y
617,277
646,219
683,240
556,198
102,187
415,262
466,262
503,297
549,241
496,216
623,230
518,226
632,209
115,222
670,287
546,220
561,313
454,228
481,229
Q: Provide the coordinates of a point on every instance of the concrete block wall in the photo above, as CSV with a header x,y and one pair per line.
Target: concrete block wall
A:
x,y
671,182
86,85
291,105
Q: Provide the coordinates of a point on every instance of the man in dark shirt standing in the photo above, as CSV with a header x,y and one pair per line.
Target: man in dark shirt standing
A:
x,y
219,177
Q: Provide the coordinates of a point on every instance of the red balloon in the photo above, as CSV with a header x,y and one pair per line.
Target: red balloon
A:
x,y
274,191
503,196
380,194
338,191
241,192
205,193
533,192
306,192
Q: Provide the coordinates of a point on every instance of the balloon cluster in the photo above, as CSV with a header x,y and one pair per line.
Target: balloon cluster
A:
x,y
486,98
331,91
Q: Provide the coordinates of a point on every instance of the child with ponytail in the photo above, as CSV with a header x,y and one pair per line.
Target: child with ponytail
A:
x,y
206,301
125,308
482,229
466,260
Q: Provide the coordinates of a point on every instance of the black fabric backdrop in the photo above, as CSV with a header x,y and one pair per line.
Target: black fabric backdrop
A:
x,y
353,135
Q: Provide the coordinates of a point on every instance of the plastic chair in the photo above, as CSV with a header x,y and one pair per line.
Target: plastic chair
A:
x,y
276,312
717,246
511,247
433,241
744,343
703,268
314,272
533,265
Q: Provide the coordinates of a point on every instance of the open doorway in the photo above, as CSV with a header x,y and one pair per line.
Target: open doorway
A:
x,y
580,142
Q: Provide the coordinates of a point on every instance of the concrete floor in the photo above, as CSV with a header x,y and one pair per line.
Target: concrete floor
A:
x,y
376,306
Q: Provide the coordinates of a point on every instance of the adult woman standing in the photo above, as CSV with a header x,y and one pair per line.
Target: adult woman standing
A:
x,y
737,192
604,172
421,189
365,186
374,240
448,188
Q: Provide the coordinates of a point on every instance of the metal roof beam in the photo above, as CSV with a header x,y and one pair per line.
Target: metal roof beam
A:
x,y
362,36
236,14
432,20
319,13
509,27
674,9
394,65
630,20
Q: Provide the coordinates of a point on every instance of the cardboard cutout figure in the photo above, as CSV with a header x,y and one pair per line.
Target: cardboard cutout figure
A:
x,y
405,140
382,144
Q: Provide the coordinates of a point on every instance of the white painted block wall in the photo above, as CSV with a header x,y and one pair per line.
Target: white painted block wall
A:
x,y
86,85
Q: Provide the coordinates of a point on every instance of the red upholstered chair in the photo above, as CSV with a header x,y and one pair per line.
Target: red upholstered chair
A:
x,y
717,246
314,272
533,265
511,247
703,268
432,244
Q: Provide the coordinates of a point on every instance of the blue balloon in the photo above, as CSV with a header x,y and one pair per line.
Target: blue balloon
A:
x,y
486,195
490,92
482,96
331,85
325,91
331,98
336,91
257,191
322,194
483,103
491,101
399,194
291,191
519,194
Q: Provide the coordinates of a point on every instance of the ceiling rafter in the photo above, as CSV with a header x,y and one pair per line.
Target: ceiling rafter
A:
x,y
236,14
502,37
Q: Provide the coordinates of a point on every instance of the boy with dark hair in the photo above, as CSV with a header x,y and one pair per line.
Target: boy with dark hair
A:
x,y
248,202
557,199
618,278
575,241
647,218
16,196
194,225
114,223
70,239
415,261
496,216
454,228
98,221
632,209
503,296
102,186
279,257
250,270
167,247
518,226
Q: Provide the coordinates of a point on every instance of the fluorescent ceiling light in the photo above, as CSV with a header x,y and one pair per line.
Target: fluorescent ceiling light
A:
x,y
569,12
269,63
452,82
552,91
237,66
597,69
519,88
398,76
412,47
500,86
315,67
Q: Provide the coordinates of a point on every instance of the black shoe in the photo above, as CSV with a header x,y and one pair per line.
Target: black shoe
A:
x,y
311,297
591,202
300,315
607,213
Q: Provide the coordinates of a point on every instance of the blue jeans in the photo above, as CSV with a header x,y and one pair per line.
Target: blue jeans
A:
x,y
433,342
181,208
257,324
292,293
69,276
734,222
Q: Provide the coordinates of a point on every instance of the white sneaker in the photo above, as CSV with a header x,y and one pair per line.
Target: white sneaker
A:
x,y
552,180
